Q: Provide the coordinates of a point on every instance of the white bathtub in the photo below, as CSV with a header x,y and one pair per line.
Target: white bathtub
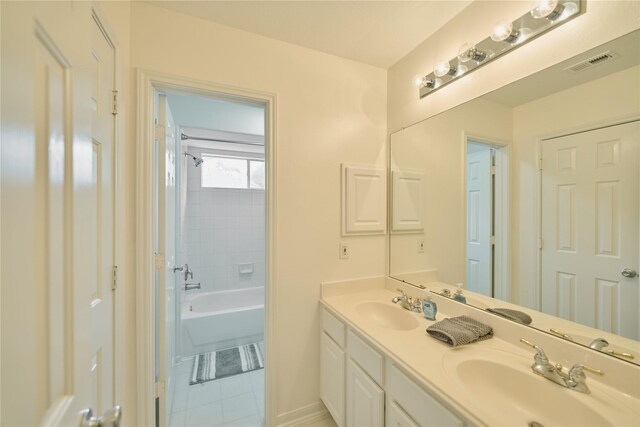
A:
x,y
217,320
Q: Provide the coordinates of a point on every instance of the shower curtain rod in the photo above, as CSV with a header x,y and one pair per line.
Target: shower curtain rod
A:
x,y
184,136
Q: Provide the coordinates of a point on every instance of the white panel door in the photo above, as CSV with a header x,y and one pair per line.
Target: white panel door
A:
x,y
165,140
52,247
365,399
590,228
332,378
101,220
478,238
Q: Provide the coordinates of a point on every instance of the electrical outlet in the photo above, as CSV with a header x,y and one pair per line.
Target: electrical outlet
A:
x,y
420,244
344,251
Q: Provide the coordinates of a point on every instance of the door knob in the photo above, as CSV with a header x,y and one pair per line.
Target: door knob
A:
x,y
111,418
629,272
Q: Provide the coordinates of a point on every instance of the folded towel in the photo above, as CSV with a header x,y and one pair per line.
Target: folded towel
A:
x,y
460,330
515,315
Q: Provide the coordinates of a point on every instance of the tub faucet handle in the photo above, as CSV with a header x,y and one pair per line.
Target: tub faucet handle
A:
x,y
187,273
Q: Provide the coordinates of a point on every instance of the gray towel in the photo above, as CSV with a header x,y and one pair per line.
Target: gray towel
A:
x,y
459,331
515,315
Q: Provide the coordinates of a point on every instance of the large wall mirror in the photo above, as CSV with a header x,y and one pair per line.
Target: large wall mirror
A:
x,y
529,196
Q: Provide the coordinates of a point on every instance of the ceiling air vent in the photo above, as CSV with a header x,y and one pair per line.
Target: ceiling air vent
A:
x,y
595,60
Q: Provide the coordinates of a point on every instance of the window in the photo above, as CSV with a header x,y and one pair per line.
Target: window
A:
x,y
232,172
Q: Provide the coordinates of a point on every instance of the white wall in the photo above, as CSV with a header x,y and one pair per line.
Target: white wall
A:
x,y
329,110
603,21
225,227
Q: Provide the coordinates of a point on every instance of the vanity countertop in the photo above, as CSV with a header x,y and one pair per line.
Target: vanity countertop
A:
x,y
437,366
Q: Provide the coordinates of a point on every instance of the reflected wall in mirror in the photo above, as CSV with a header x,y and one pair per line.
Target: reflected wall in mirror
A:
x,y
530,195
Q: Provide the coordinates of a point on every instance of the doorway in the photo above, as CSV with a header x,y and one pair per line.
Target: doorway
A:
x,y
210,184
486,217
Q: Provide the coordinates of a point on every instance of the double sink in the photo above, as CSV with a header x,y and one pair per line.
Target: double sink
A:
x,y
504,379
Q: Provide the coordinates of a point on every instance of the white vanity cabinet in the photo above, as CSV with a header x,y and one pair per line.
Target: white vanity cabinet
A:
x,y
332,367
363,388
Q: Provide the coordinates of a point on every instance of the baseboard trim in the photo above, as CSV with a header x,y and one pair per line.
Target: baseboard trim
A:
x,y
306,414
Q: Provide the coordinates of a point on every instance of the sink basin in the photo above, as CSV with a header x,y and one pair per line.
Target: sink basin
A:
x,y
520,395
546,403
387,316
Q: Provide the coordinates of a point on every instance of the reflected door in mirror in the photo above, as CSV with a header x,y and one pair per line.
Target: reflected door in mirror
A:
x,y
590,227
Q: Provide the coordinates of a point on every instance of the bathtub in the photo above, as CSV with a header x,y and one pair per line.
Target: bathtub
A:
x,y
218,320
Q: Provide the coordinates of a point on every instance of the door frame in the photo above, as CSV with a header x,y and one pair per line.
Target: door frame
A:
x,y
147,83
119,215
536,292
501,275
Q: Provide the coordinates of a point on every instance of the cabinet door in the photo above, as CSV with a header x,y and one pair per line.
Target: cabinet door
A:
x,y
396,417
365,400
332,378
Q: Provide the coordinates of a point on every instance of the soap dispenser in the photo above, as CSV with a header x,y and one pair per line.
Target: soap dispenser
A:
x,y
429,308
458,295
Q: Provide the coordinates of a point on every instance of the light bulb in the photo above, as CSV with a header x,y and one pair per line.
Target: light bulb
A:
x,y
549,9
462,52
504,32
523,34
460,70
418,81
570,9
443,68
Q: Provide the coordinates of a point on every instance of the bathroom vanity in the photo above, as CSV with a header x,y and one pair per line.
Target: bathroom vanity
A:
x,y
379,367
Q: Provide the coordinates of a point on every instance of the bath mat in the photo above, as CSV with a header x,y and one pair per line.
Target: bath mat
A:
x,y
226,363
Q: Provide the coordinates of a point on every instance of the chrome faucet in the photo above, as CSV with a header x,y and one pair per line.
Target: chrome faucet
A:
x,y
574,379
600,343
191,286
407,302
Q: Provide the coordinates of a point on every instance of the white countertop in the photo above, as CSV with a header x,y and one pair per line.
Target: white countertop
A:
x,y
430,361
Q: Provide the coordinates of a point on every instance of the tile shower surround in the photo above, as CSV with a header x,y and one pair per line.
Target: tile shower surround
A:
x,y
223,228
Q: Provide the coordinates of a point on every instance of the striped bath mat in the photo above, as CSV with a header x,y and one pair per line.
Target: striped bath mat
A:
x,y
225,363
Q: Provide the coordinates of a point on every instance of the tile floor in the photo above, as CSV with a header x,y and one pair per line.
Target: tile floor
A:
x,y
236,401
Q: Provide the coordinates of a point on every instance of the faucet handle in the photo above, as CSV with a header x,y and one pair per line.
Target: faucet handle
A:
x,y
540,356
579,367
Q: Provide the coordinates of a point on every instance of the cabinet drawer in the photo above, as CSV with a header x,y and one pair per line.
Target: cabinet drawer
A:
x,y
333,327
416,402
366,357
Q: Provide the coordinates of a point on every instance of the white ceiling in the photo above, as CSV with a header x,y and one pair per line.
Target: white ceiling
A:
x,y
375,32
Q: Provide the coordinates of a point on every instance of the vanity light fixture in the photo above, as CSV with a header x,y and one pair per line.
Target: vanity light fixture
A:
x,y
546,15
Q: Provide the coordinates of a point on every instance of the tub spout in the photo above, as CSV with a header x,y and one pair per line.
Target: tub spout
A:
x,y
190,286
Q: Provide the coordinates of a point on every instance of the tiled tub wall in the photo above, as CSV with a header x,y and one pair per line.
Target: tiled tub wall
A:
x,y
224,229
